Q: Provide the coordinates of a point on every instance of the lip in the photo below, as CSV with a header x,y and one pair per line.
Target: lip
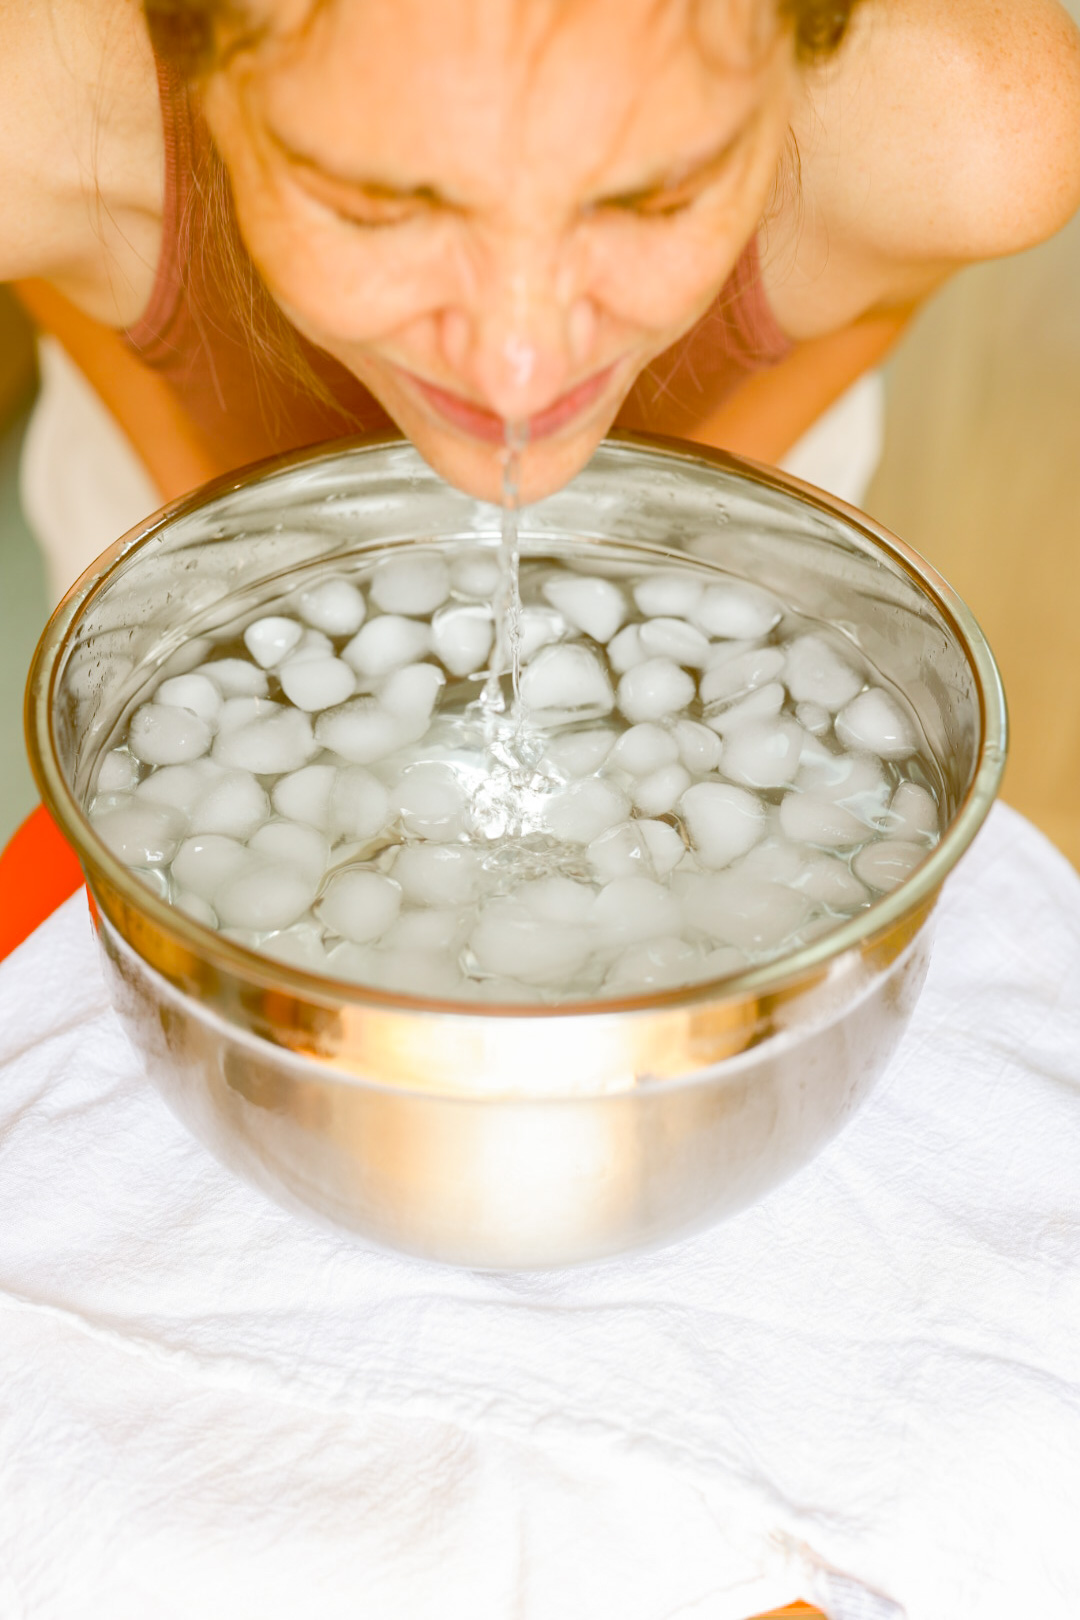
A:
x,y
491,428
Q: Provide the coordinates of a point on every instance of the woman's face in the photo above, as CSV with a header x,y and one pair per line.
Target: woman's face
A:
x,y
499,211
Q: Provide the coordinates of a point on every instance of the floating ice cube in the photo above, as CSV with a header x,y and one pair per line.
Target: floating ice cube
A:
x,y
265,895
807,819
414,584
558,899
626,649
832,883
358,806
664,843
416,973
141,833
596,606
656,964
540,627
411,693
205,863
738,676
195,907
875,721
360,905
720,963
195,692
160,735
235,677
885,865
269,746
359,963
813,718
737,609
335,607
912,813
312,644
271,640
438,874
854,780
667,595
509,940
723,822
644,748
583,810
431,802
299,946
579,753
629,909
699,748
762,705
118,772
764,755
564,681
654,689
656,794
295,844
361,731
476,574
429,930
304,795
240,711
774,860
817,674
745,912
624,851
313,683
674,639
182,786
386,644
233,803
462,638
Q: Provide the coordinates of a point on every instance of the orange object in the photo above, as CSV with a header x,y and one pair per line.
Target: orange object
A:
x,y
38,872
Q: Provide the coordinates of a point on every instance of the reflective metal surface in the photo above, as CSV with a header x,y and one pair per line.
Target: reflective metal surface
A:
x,y
500,1136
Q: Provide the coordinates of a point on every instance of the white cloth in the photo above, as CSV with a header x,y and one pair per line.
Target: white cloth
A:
x,y
864,1391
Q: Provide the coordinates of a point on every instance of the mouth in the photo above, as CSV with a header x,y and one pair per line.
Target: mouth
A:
x,y
489,427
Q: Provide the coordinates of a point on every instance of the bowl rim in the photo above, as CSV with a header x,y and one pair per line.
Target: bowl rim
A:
x,y
885,913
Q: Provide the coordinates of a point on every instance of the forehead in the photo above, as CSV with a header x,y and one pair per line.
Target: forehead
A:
x,y
481,84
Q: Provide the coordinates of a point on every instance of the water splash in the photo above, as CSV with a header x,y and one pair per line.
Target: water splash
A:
x,y
507,657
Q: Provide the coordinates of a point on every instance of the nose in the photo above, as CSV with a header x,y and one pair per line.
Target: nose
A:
x,y
523,333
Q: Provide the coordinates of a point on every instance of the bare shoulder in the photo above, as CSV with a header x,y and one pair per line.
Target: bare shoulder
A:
x,y
81,151
943,133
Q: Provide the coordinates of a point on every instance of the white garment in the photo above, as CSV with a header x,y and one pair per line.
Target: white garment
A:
x,y
864,1391
83,486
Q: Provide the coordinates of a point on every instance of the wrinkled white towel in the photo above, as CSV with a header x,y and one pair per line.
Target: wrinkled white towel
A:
x,y
864,1391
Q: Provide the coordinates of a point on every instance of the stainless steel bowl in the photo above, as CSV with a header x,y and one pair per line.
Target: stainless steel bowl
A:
x,y
500,1136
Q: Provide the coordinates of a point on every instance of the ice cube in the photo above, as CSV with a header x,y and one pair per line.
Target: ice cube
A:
x,y
428,930
358,963
299,946
736,677
854,780
699,748
293,843
831,883
723,822
663,595
263,896
807,819
654,689
415,585
629,909
268,746
817,674
912,813
675,639
656,794
312,644
626,649
118,772
411,693
160,735
737,610
540,627
361,731
875,721
745,912
195,907
595,606
233,803
644,748
462,638
763,755
195,692
558,899
774,860
240,711
335,607
509,940
235,677
386,644
431,802
656,964
762,705
304,795
358,806
313,683
583,810
204,863
360,905
885,864
182,786
813,718
565,680
580,753
416,973
476,574
141,833
438,874
271,640
664,844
